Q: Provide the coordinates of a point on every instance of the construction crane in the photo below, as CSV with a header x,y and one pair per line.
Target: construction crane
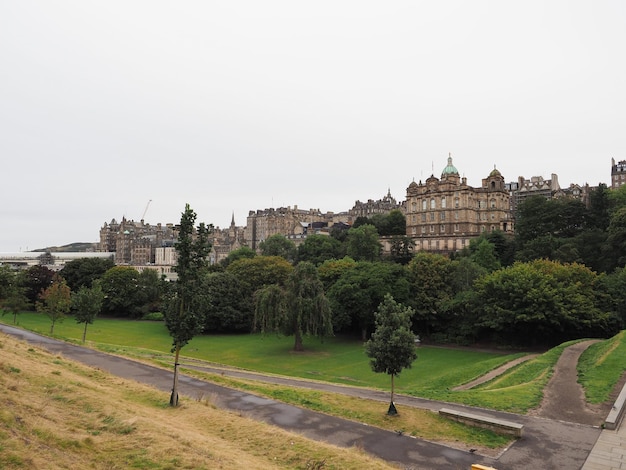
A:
x,y
145,210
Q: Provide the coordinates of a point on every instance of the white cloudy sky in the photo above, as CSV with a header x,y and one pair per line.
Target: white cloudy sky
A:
x,y
241,105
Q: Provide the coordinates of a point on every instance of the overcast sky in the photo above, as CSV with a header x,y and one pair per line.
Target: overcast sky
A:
x,y
235,106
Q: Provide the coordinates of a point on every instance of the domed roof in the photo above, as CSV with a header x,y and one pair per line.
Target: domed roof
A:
x,y
495,172
450,169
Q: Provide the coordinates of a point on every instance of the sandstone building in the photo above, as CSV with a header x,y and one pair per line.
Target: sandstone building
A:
x,y
618,173
444,214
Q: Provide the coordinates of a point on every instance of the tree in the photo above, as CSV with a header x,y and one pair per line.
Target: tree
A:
x,y
120,285
318,249
541,302
181,314
12,297
430,276
392,345
83,271
278,245
616,239
401,249
362,243
355,296
239,253
87,304
261,271
55,301
226,304
300,309
35,280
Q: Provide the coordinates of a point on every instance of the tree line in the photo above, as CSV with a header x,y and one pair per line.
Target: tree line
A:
x,y
561,276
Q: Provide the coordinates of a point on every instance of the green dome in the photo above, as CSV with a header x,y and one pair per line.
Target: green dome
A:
x,y
495,172
450,169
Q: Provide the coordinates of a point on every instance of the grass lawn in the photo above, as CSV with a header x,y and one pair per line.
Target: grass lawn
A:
x,y
601,366
339,360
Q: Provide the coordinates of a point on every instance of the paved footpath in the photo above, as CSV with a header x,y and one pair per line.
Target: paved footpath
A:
x,y
609,453
546,444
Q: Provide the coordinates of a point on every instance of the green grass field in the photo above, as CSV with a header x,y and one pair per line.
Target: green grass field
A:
x,y
339,360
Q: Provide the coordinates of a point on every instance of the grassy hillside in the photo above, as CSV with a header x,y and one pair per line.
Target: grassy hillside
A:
x,y
58,414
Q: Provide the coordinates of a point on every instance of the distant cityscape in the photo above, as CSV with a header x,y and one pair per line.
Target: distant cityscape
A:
x,y
442,215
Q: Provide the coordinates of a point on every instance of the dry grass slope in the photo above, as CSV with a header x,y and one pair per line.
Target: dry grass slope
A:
x,y
58,414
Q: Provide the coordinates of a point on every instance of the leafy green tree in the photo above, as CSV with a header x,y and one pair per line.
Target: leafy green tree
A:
x,y
616,239
393,223
401,249
181,314
55,301
430,277
355,296
617,198
120,285
87,304
485,255
362,243
240,253
8,281
392,345
35,280
300,309
226,304
83,271
541,302
12,295
151,291
261,271
331,270
278,245
599,207
317,249
612,292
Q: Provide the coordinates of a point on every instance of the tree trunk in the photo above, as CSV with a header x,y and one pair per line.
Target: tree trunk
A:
x,y
364,334
174,395
298,346
392,407
85,333
52,327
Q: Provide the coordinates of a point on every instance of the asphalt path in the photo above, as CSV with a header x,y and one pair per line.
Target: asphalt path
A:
x,y
545,444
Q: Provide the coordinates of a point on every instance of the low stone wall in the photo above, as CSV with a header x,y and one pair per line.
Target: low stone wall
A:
x,y
498,425
616,414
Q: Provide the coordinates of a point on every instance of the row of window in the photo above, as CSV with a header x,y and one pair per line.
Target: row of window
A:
x,y
432,216
442,228
432,204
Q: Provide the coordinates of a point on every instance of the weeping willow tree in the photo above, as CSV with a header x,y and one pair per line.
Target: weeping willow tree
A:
x,y
299,309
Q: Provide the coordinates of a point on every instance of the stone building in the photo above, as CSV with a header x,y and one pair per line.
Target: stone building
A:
x,y
618,173
134,243
226,240
371,207
289,222
535,186
444,214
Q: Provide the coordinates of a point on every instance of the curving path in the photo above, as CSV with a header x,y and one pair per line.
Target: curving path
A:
x,y
564,397
546,444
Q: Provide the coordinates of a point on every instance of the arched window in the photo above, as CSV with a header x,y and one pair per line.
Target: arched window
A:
x,y
432,203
